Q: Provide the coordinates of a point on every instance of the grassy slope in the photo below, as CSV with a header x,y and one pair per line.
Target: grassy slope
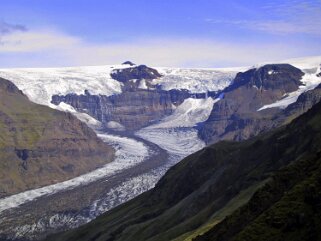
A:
x,y
288,207
191,193
54,141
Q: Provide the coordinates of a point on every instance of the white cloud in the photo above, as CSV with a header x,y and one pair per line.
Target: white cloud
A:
x,y
36,41
53,48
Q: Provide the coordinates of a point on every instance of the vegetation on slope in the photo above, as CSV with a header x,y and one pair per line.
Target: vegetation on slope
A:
x,y
192,194
41,146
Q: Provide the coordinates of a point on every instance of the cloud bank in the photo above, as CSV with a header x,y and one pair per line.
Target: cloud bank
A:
x,y
43,48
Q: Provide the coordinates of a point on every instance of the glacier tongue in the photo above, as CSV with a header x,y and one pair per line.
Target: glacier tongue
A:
x,y
175,133
129,152
187,114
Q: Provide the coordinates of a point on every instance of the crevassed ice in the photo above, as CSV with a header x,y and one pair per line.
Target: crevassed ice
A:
x,y
129,152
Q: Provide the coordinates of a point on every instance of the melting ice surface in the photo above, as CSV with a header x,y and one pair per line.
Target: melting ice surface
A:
x,y
129,152
188,114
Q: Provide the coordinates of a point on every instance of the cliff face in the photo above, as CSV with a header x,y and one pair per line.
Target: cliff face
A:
x,y
139,104
41,146
236,116
133,109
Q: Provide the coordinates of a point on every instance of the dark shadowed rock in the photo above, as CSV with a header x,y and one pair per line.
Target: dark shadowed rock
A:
x,y
139,72
132,109
236,116
128,63
281,77
135,77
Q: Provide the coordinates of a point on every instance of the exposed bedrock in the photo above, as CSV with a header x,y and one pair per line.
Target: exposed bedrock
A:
x,y
133,110
236,116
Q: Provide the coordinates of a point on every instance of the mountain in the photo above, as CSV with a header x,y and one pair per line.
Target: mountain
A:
x,y
154,117
125,96
41,146
259,100
115,113
267,187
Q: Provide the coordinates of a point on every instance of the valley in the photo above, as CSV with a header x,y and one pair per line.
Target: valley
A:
x,y
152,118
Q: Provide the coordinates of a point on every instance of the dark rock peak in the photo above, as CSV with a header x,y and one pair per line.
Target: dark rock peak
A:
x,y
138,72
270,76
133,77
128,63
319,74
235,116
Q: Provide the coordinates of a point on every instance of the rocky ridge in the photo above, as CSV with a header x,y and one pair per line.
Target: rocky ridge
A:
x,y
238,116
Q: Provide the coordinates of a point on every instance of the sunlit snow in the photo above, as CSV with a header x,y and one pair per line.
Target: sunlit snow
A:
x,y
129,152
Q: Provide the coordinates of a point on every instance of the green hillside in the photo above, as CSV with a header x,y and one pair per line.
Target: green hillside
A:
x,y
240,181
41,146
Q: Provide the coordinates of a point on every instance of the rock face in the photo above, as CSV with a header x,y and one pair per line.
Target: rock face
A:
x,y
128,63
41,146
140,103
263,187
133,110
236,116
277,77
135,77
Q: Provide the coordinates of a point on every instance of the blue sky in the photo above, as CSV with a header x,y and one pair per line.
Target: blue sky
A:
x,y
202,33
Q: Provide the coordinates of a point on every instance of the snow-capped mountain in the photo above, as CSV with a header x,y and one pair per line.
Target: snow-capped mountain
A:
x,y
154,117
40,84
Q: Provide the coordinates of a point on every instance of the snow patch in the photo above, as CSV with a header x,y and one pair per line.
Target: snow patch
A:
x,y
89,120
188,114
115,126
142,84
